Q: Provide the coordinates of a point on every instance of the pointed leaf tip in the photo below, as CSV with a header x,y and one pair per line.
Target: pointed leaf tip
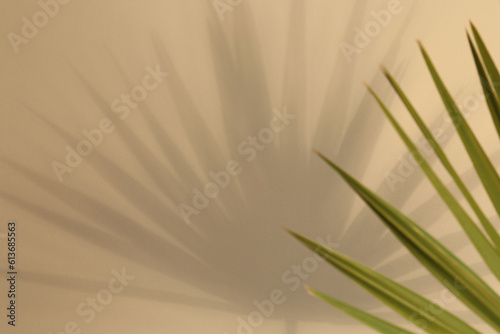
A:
x,y
420,44
383,69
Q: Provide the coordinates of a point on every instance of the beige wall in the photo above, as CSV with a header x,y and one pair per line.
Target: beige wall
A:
x,y
118,208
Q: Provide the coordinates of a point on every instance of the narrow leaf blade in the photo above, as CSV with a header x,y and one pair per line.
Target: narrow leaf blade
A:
x,y
487,82
404,301
483,245
485,222
483,166
479,297
487,60
376,323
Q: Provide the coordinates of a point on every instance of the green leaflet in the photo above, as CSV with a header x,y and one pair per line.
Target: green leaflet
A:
x,y
483,246
494,76
446,267
488,61
483,166
486,83
404,301
441,262
376,323
492,233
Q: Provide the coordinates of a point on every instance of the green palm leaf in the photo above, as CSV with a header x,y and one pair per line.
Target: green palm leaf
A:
x,y
492,233
446,267
487,83
484,168
402,300
493,76
440,261
368,319
475,235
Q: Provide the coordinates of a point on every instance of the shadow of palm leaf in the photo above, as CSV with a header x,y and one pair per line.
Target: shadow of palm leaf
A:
x,y
225,250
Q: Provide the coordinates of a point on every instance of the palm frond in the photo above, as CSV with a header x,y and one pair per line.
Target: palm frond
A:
x,y
454,274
